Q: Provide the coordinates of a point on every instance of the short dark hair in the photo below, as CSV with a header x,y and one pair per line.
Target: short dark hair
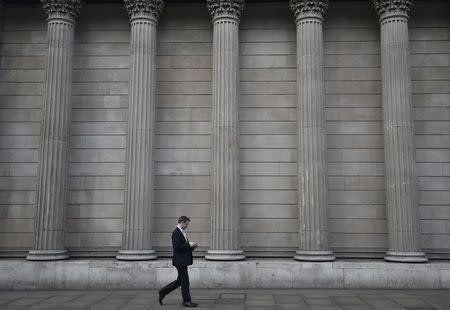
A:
x,y
183,219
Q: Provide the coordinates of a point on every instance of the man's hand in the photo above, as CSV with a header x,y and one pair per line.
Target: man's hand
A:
x,y
193,245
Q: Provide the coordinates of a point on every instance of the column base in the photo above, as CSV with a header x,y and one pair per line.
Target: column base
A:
x,y
314,256
136,255
37,255
405,257
225,255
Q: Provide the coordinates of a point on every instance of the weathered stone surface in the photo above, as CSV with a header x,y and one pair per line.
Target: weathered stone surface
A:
x,y
183,119
252,273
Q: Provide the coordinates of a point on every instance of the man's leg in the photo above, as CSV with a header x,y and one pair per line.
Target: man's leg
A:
x,y
183,276
171,286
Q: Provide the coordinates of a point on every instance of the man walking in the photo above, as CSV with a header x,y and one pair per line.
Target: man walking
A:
x,y
181,259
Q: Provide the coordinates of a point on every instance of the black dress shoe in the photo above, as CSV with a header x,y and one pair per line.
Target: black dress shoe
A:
x,y
160,299
190,304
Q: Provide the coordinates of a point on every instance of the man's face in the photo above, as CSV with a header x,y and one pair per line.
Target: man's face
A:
x,y
184,225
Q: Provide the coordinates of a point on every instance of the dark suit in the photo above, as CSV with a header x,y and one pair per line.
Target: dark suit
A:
x,y
181,259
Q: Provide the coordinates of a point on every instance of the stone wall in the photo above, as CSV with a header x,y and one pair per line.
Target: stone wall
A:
x,y
357,211
269,214
99,130
22,62
430,73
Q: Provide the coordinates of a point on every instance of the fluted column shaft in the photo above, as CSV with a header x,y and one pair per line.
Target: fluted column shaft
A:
x,y
137,234
399,147
312,172
54,139
224,243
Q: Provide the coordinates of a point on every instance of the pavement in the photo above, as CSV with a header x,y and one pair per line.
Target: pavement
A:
x,y
262,299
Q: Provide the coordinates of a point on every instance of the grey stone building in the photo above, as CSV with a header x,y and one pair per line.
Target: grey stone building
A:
x,y
306,131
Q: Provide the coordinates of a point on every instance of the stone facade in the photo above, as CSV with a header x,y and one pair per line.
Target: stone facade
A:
x,y
315,129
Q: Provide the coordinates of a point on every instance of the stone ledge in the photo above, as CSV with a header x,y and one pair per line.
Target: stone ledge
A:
x,y
252,273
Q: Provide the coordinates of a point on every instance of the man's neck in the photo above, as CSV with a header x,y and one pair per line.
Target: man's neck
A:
x,y
180,228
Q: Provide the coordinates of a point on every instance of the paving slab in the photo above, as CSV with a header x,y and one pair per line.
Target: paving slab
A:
x,y
228,299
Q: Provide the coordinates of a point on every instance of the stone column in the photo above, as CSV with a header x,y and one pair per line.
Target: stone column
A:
x,y
224,243
137,232
312,171
399,148
54,139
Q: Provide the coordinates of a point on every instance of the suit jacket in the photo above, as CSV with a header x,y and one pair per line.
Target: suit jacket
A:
x,y
182,251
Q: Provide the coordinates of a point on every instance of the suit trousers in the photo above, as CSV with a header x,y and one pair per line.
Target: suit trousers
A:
x,y
182,280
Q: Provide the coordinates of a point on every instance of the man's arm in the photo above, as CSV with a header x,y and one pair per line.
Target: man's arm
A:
x,y
179,244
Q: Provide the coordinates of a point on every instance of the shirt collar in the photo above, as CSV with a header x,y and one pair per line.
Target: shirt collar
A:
x,y
182,230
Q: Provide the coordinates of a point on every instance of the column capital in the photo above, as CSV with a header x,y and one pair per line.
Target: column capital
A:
x,y
226,8
309,8
392,8
144,8
67,9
